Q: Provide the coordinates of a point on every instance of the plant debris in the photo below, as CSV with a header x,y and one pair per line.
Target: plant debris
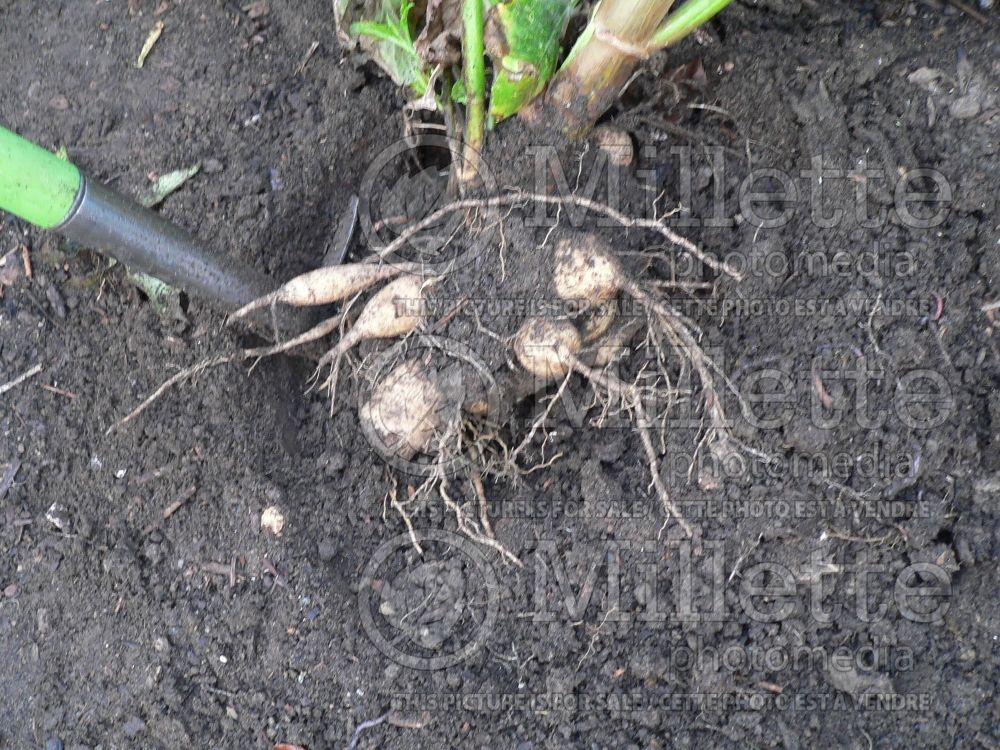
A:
x,y
151,40
166,300
166,184
20,379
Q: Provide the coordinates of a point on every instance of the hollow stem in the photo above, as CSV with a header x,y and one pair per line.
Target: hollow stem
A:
x,y
620,35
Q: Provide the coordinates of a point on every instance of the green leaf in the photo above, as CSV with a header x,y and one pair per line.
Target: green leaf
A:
x,y
525,58
393,48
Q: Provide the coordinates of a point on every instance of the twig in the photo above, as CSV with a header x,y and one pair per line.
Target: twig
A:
x,y
26,261
20,379
8,478
970,11
58,391
363,726
177,504
305,60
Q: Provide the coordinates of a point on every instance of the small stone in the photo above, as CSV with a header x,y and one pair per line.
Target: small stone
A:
x,y
58,516
59,102
56,300
327,549
273,520
12,591
616,143
211,166
53,743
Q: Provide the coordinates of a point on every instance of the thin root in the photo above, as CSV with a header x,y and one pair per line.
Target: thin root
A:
x,y
312,334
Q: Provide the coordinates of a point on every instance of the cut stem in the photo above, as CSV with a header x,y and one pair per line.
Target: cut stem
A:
x,y
474,62
620,34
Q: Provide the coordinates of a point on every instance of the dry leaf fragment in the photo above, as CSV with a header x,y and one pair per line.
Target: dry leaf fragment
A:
x,y
147,47
440,42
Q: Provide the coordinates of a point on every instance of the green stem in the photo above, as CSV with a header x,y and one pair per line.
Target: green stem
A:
x,y
684,20
474,61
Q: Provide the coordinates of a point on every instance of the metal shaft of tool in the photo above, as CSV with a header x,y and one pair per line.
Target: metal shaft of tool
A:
x,y
52,193
104,220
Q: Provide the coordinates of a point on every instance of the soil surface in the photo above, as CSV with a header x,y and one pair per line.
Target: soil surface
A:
x,y
840,589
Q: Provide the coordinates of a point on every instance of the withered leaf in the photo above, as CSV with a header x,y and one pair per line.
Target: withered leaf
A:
x,y
440,41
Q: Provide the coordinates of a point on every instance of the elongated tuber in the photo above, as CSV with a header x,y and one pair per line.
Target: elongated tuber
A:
x,y
394,311
324,286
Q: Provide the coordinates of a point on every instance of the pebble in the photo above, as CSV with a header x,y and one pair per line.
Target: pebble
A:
x,y
58,516
273,520
53,743
616,143
327,549
56,300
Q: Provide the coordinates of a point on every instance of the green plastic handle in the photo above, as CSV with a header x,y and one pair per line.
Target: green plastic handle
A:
x,y
35,184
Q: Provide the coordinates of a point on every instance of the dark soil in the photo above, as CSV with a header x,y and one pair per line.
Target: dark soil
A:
x,y
121,628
